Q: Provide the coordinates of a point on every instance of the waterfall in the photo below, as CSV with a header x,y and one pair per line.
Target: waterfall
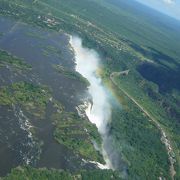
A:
x,y
98,112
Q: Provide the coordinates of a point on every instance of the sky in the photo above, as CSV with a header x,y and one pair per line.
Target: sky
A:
x,y
169,7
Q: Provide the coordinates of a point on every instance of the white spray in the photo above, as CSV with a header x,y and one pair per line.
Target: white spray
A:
x,y
87,63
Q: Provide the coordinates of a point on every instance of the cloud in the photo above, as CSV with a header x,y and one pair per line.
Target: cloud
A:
x,y
169,1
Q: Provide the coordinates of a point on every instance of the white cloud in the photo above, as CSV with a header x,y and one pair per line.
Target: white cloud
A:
x,y
169,1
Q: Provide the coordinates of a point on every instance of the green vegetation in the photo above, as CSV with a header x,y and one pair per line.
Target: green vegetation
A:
x,y
77,134
71,74
147,96
8,59
1,35
136,144
29,173
33,98
126,37
100,174
51,50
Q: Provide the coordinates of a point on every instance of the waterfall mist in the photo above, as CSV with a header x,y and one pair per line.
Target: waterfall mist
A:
x,y
99,112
